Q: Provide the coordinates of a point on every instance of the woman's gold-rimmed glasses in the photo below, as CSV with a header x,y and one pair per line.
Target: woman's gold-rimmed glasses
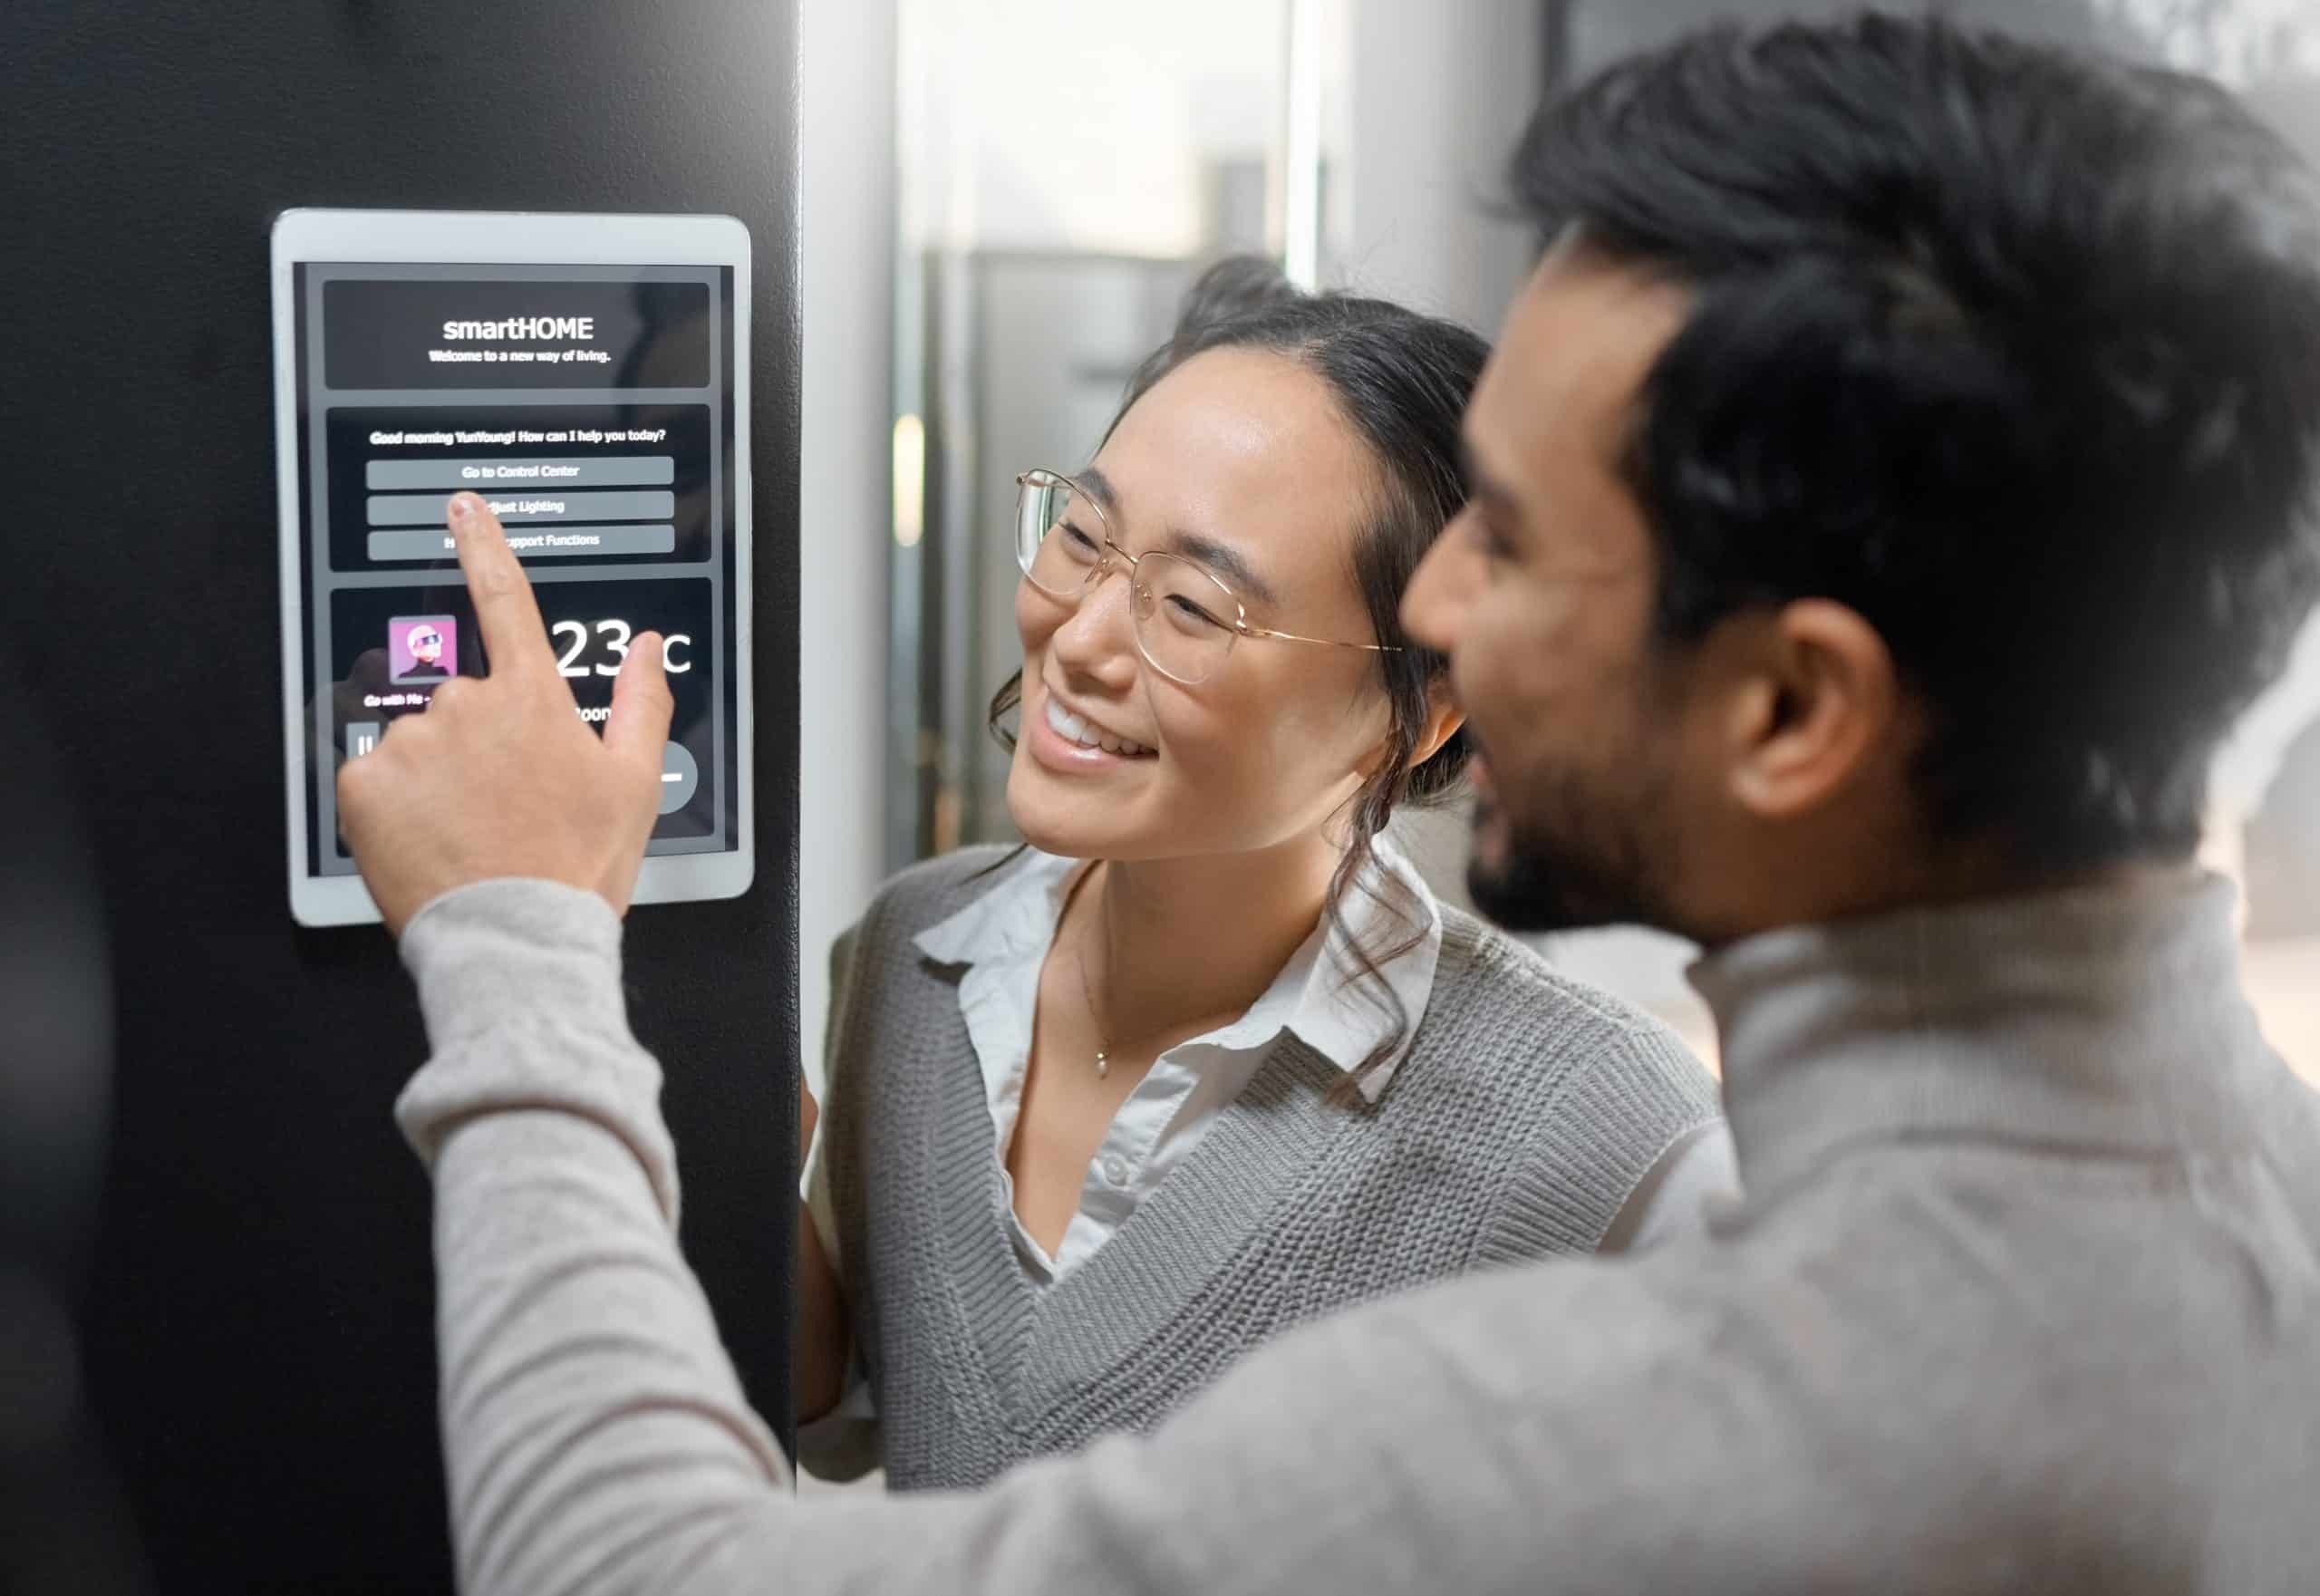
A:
x,y
1186,620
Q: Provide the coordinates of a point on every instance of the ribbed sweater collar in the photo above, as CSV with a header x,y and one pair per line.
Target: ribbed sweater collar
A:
x,y
2108,1016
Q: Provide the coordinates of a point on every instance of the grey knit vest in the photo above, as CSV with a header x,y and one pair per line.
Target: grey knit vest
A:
x,y
1524,1113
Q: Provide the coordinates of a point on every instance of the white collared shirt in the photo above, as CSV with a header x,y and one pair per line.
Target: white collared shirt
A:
x,y
1003,938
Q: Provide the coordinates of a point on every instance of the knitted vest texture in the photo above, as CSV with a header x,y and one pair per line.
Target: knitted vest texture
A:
x,y
1525,1112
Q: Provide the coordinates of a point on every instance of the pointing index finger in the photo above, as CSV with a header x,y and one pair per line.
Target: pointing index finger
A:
x,y
506,613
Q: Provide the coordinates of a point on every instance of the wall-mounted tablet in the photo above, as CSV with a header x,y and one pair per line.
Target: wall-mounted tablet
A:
x,y
589,376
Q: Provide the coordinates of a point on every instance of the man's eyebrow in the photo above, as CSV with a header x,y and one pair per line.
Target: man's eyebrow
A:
x,y
1481,484
1226,562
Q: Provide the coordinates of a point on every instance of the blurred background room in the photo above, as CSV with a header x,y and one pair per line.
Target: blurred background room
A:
x,y
1003,200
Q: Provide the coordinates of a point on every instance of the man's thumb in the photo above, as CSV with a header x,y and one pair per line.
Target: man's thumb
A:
x,y
638,726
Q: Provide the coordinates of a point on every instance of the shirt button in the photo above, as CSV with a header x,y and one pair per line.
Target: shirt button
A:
x,y
1116,1170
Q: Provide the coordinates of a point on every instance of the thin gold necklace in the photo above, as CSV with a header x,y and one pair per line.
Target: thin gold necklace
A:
x,y
1095,1014
1104,1053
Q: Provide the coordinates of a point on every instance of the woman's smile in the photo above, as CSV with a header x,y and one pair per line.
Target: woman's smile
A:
x,y
1066,740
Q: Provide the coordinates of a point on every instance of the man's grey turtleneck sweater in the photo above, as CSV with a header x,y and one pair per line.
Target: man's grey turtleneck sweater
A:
x,y
2024,1295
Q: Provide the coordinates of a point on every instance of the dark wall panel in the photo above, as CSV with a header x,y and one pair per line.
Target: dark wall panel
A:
x,y
258,1316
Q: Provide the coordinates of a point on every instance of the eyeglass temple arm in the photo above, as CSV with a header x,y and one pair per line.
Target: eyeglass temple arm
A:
x,y
1374,648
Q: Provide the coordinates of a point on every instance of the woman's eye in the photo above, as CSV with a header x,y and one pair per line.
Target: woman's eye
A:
x,y
1189,616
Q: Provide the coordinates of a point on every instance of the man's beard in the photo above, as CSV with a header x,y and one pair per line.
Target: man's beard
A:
x,y
1574,862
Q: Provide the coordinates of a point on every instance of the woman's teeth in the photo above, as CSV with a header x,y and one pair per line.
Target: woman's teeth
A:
x,y
1072,729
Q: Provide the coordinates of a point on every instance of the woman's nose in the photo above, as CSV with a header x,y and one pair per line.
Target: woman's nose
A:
x,y
1098,642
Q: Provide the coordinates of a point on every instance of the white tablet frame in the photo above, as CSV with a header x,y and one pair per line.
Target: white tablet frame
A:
x,y
518,239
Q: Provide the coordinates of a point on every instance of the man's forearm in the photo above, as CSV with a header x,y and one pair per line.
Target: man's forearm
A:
x,y
597,1436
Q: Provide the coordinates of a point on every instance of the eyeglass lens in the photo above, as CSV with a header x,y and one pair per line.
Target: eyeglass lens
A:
x,y
1183,614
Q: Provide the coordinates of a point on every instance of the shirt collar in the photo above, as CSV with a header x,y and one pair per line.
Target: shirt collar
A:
x,y
1319,994
1015,914
2109,1015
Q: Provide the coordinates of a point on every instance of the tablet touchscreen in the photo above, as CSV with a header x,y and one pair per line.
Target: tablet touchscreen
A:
x,y
594,407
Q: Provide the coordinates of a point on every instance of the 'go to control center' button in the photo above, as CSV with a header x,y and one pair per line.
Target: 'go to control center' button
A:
x,y
633,470
427,543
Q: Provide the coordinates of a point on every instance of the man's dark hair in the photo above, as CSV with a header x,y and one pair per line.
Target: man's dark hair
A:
x,y
2016,353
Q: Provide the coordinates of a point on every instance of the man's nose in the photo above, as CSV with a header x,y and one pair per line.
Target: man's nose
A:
x,y
1429,604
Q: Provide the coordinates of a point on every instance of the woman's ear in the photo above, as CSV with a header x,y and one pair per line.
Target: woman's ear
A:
x,y
1443,719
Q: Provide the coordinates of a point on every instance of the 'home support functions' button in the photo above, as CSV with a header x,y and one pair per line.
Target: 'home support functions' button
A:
x,y
430,543
480,475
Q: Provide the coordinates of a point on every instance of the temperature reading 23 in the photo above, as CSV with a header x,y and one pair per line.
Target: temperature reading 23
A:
x,y
572,639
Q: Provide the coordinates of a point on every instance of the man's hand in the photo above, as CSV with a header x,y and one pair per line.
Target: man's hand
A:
x,y
500,776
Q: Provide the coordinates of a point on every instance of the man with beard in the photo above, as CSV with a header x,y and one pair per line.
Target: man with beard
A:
x,y
1891,485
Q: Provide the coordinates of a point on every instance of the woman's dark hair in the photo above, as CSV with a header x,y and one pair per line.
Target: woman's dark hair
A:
x,y
2015,352
1401,380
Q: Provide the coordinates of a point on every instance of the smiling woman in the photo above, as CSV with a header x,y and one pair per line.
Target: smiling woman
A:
x,y
1205,1059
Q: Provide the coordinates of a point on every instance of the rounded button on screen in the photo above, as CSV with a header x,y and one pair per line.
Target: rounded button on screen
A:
x,y
680,774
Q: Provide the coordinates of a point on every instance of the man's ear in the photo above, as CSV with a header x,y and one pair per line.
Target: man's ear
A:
x,y
1819,703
